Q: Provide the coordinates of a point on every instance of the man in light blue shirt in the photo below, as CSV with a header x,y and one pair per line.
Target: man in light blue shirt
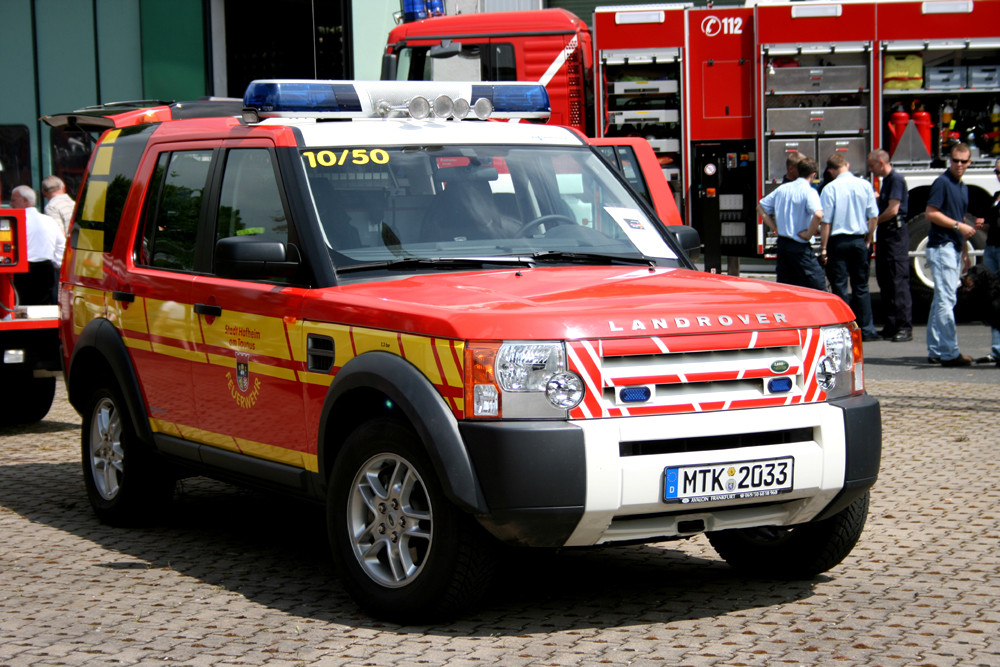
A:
x,y
850,213
793,211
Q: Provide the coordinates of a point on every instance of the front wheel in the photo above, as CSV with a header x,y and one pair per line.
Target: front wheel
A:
x,y
125,484
793,552
406,553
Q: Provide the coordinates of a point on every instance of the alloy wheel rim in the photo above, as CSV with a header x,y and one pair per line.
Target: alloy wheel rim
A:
x,y
389,519
106,454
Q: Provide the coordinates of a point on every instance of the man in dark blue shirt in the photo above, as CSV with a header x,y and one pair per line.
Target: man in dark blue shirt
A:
x,y
947,254
892,239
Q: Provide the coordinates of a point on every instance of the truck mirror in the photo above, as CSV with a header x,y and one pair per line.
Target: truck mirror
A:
x,y
390,62
249,257
446,49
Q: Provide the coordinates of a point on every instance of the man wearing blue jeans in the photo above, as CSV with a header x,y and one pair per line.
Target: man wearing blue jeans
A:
x,y
991,258
947,255
850,213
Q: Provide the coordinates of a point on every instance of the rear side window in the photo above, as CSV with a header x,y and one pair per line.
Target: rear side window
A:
x,y
250,201
103,198
174,210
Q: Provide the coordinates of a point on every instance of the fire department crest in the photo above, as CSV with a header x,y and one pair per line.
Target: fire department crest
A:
x,y
243,371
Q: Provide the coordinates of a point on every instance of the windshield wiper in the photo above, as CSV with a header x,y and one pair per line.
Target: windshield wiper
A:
x,y
437,262
588,258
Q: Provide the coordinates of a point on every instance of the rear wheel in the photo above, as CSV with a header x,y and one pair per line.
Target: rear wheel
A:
x,y
406,553
29,400
125,483
793,552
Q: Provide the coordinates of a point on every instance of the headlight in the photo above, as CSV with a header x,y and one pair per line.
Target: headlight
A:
x,y
840,371
520,380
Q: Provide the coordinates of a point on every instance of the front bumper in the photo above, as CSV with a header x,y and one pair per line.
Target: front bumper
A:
x,y
592,481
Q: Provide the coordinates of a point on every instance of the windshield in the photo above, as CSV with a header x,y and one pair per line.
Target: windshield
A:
x,y
383,205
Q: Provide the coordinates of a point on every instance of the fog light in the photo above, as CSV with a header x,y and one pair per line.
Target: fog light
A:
x,y
565,390
486,401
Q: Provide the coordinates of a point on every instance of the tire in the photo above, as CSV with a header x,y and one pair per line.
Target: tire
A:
x,y
125,483
793,552
30,402
921,280
405,552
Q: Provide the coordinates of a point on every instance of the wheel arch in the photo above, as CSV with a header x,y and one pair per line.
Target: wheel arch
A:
x,y
99,350
380,384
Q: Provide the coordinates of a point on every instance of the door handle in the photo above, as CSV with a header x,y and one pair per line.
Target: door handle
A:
x,y
207,310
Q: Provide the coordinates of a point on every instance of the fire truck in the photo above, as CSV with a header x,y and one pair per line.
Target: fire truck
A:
x,y
29,335
724,94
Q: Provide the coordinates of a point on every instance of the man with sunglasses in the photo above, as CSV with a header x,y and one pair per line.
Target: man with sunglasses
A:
x,y
947,255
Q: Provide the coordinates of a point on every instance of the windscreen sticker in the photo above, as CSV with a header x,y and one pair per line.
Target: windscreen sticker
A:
x,y
358,156
641,232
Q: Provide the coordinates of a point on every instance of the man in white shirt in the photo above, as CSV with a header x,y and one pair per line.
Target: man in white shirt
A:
x,y
793,210
46,245
60,206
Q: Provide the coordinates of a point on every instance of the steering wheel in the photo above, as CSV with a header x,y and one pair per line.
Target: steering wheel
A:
x,y
544,219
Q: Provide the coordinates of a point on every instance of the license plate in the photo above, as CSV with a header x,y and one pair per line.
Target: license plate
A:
x,y
728,481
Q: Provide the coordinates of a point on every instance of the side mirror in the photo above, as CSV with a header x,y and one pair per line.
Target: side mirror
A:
x,y
390,63
688,239
445,49
253,258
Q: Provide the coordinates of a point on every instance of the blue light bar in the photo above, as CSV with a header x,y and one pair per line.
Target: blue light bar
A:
x,y
515,100
297,98
302,98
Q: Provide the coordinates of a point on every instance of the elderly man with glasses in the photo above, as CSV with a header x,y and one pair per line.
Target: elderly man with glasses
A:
x,y
947,254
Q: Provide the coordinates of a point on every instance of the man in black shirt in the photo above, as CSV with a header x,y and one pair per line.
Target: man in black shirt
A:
x,y
892,238
991,258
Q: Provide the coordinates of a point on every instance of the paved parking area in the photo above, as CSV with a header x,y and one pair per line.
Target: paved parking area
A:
x,y
238,578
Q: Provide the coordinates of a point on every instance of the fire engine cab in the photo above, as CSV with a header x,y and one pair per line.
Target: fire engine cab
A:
x,y
725,94
451,332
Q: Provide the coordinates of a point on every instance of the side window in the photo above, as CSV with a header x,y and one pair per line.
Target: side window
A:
x,y
250,202
173,210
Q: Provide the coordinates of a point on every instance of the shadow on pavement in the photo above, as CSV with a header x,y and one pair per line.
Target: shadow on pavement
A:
x,y
273,551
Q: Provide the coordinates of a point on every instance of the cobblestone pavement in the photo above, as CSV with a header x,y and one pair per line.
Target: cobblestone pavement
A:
x,y
238,578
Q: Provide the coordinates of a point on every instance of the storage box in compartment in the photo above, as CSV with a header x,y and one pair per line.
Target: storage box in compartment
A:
x,y
946,78
817,79
984,76
853,149
662,86
902,72
644,116
827,119
778,151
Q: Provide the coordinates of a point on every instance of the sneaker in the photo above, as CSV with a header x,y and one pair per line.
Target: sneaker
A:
x,y
988,359
869,337
934,360
902,336
885,334
960,360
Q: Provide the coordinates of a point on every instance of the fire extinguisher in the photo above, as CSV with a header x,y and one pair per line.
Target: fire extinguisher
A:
x,y
922,120
897,125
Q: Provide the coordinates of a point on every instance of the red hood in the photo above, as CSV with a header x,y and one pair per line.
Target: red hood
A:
x,y
575,303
